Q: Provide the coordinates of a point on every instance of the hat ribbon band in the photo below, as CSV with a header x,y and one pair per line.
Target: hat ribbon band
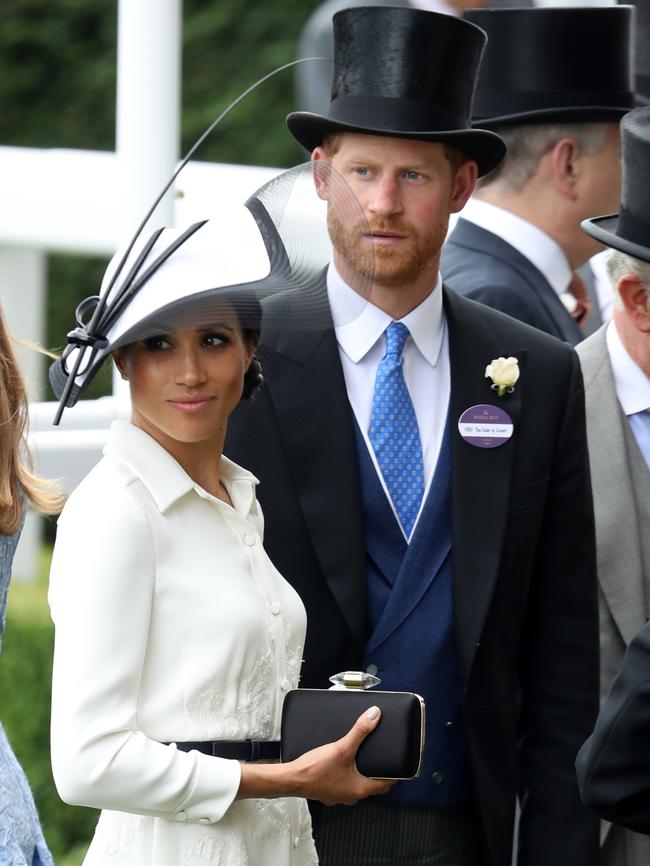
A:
x,y
397,114
494,103
633,228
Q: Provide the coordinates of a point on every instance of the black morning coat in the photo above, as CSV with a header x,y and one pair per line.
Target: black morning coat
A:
x,y
614,764
481,265
524,566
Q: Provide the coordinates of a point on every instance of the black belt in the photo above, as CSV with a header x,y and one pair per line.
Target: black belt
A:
x,y
236,750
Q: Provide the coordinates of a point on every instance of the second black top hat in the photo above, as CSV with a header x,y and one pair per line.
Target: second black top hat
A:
x,y
405,73
629,230
556,65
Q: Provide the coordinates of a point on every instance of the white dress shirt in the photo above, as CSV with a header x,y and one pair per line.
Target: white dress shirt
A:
x,y
632,389
539,248
172,625
362,344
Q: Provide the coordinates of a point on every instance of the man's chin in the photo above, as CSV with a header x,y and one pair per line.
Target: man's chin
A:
x,y
393,274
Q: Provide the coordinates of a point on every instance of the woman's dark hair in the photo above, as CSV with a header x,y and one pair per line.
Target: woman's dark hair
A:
x,y
249,312
253,377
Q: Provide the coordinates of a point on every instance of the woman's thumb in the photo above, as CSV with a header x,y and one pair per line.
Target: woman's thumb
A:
x,y
364,725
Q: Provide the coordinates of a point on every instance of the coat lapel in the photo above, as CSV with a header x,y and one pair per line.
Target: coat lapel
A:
x,y
620,570
480,477
473,236
307,389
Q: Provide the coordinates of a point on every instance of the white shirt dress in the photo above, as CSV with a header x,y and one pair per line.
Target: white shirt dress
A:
x,y
172,625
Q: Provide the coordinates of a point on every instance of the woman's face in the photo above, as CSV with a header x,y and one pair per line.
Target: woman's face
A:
x,y
184,385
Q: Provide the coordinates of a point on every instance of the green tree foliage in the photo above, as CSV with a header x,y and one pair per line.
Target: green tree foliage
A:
x,y
58,80
227,46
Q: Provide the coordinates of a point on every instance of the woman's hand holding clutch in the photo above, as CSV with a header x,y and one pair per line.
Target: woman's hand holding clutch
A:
x,y
328,773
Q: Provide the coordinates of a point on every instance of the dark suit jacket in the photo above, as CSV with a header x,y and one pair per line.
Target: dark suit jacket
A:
x,y
523,556
614,764
482,266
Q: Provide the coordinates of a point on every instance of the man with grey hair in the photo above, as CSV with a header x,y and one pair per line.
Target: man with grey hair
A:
x,y
616,368
518,243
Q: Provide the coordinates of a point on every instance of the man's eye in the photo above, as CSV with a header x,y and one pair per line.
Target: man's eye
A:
x,y
413,175
362,172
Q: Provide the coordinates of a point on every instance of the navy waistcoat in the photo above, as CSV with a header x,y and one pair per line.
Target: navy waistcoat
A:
x,y
411,640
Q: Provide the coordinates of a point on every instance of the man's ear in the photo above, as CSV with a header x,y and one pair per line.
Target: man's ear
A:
x,y
463,185
321,172
564,159
636,301
118,360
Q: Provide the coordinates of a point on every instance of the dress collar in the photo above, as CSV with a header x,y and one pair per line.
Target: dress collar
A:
x,y
357,335
165,478
538,247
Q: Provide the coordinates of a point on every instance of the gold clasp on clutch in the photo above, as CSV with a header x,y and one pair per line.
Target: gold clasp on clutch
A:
x,y
355,680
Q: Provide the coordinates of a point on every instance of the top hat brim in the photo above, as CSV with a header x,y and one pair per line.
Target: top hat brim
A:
x,y
485,147
569,114
605,230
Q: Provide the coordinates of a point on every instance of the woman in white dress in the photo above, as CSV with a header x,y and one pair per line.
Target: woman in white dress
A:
x,y
176,638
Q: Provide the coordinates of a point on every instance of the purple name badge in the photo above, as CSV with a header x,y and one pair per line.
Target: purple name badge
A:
x,y
485,426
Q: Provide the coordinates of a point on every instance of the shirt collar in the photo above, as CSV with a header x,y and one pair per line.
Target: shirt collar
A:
x,y
631,383
357,335
538,247
165,478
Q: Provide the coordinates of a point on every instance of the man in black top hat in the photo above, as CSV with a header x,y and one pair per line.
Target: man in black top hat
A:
x,y
419,468
616,367
554,83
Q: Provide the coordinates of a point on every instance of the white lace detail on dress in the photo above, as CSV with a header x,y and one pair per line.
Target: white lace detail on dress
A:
x,y
294,652
207,719
226,850
119,837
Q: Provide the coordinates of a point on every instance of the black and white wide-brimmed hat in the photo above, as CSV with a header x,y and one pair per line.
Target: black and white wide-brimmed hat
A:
x,y
405,73
629,230
275,243
555,65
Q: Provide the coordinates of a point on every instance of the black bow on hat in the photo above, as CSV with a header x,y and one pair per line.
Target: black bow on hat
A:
x,y
629,230
405,73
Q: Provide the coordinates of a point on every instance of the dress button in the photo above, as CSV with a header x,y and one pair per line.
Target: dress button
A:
x,y
285,685
276,607
181,816
449,724
437,777
296,841
249,539
372,669
204,820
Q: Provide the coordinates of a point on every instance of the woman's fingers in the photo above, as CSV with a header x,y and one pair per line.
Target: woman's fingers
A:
x,y
364,725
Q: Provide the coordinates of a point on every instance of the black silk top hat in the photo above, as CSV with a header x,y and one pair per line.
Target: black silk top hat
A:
x,y
405,73
629,230
555,65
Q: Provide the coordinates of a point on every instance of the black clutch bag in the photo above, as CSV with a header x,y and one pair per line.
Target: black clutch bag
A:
x,y
313,717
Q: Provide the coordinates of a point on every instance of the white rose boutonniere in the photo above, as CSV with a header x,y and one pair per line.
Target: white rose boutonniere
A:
x,y
504,373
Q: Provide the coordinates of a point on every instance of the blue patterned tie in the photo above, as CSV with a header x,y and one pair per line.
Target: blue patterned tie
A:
x,y
394,432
